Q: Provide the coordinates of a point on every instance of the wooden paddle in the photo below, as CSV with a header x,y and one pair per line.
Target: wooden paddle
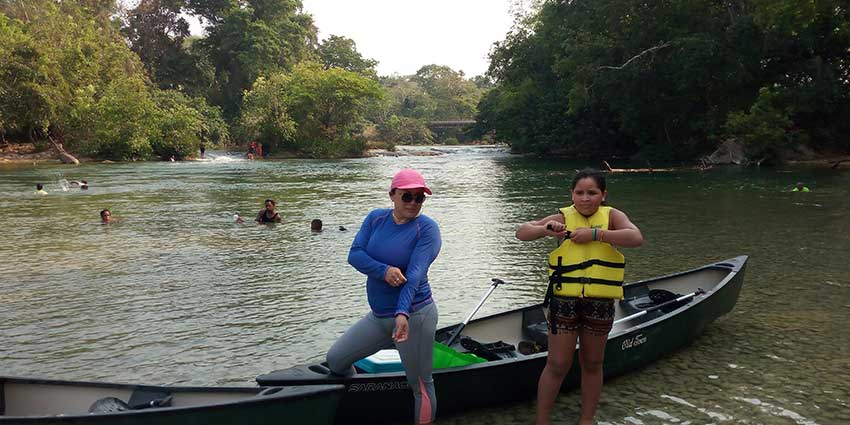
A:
x,y
496,283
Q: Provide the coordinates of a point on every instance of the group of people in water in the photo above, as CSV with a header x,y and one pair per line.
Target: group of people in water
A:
x,y
395,248
81,184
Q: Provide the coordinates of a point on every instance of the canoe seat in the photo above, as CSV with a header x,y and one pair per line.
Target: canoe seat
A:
x,y
535,327
491,351
141,398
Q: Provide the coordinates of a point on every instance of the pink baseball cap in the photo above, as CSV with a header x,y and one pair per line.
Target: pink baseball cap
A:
x,y
409,178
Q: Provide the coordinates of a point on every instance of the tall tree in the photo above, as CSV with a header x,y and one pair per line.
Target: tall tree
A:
x,y
341,52
158,32
247,39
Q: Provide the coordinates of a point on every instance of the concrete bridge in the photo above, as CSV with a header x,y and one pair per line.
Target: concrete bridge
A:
x,y
451,124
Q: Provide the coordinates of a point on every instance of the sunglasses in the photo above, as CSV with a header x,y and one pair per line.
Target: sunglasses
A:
x,y
407,197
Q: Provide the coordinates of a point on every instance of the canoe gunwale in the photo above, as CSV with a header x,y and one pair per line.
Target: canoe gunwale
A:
x,y
290,395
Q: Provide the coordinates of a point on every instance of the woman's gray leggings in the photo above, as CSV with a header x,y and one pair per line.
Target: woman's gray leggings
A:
x,y
371,334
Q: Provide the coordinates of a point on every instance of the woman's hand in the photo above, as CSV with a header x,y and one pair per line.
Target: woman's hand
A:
x,y
394,276
401,328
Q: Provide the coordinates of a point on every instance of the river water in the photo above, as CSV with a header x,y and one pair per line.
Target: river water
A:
x,y
176,293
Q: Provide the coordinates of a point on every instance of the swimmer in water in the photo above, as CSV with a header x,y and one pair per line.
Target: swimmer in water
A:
x,y
106,217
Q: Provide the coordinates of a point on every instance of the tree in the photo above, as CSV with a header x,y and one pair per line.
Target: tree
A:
x,y
660,79
317,112
252,38
158,33
341,52
455,96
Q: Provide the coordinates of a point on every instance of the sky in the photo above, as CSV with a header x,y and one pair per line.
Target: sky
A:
x,y
404,35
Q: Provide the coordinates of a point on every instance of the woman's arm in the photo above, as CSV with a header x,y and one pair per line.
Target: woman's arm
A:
x,y
259,218
359,258
537,229
424,253
622,232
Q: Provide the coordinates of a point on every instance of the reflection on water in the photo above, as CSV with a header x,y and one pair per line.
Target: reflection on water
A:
x,y
176,292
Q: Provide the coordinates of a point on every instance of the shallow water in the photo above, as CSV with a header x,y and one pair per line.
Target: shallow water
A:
x,y
175,292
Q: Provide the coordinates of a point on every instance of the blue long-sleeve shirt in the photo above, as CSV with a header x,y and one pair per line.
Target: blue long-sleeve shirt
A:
x,y
411,247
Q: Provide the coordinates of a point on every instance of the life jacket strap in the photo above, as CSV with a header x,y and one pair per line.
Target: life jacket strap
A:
x,y
566,279
560,269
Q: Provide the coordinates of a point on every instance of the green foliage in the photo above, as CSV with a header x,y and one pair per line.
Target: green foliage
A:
x,y
341,52
406,130
455,96
214,130
630,77
159,35
265,115
766,130
434,93
317,112
408,99
54,52
114,123
177,125
252,38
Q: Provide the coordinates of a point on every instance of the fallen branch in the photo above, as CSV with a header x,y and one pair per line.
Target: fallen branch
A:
x,y
635,170
64,156
837,163
649,50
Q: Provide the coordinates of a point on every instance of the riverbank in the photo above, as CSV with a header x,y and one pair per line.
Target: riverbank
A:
x,y
23,153
27,152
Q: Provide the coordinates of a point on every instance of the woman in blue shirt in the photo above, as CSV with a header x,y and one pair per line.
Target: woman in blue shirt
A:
x,y
394,249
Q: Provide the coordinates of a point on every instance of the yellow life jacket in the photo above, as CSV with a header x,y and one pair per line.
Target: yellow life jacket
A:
x,y
593,269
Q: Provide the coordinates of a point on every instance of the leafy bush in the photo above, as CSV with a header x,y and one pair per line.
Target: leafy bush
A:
x,y
115,125
405,130
314,111
766,130
177,125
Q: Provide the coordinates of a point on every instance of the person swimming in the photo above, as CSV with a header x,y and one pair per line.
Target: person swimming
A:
x,y
316,225
39,189
82,184
106,217
800,187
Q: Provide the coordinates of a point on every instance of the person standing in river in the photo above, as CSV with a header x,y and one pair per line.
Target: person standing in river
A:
x,y
394,248
585,277
268,214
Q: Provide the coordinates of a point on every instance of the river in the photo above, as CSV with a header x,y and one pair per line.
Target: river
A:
x,y
177,293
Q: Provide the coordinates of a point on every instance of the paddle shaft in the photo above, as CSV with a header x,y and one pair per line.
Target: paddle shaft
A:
x,y
496,282
653,308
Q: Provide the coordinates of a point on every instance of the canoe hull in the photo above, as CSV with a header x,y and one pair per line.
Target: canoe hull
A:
x,y
21,398
382,397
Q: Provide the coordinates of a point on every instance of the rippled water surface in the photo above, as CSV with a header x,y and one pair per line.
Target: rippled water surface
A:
x,y
177,293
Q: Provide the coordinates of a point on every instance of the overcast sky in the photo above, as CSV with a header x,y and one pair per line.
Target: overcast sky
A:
x,y
404,35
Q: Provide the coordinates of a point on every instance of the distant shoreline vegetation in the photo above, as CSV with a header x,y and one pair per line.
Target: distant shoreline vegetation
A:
x,y
610,78
674,80
134,85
